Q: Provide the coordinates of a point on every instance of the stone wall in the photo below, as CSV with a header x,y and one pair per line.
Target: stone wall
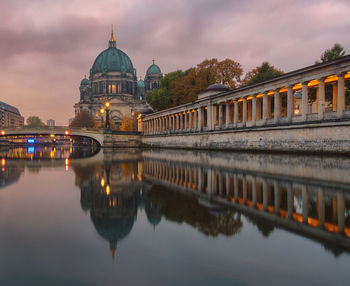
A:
x,y
318,137
121,140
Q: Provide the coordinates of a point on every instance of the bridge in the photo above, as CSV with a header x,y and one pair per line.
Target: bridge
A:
x,y
304,110
103,139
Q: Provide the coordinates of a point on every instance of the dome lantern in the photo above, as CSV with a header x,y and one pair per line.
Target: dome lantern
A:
x,y
112,42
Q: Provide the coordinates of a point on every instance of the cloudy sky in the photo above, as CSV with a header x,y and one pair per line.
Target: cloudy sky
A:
x,y
47,46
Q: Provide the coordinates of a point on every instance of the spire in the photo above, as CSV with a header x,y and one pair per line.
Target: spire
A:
x,y
112,42
153,60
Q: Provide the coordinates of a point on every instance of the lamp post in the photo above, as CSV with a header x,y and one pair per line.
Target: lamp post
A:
x,y
107,125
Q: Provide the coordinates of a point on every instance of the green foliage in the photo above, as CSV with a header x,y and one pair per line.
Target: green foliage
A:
x,y
261,73
335,52
83,119
34,121
181,87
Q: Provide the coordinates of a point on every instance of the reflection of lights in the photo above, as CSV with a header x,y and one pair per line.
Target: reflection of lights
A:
x,y
66,132
31,150
67,164
30,141
102,182
2,132
108,190
3,162
52,154
52,135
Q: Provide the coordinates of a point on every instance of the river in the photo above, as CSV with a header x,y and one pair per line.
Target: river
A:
x,y
82,216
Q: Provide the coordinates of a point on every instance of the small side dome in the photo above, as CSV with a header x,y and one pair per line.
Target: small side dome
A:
x,y
154,69
85,81
217,87
141,83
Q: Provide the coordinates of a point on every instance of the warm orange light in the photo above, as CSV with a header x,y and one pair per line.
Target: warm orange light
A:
x,y
239,100
249,98
108,190
259,95
2,162
347,75
107,104
313,83
271,92
283,89
2,132
66,132
52,135
102,182
102,111
331,78
67,164
297,86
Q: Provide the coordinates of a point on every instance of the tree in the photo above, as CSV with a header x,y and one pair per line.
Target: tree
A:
x,y
181,87
335,52
34,121
126,124
83,119
261,73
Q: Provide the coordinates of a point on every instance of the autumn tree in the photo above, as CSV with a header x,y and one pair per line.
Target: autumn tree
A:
x,y
126,124
335,52
261,73
34,121
83,119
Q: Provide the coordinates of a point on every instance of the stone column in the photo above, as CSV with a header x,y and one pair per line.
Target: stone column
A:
x,y
244,106
190,120
290,103
235,113
254,109
199,125
265,107
200,180
277,111
321,98
304,101
341,96
220,115
227,113
195,124
210,118
181,121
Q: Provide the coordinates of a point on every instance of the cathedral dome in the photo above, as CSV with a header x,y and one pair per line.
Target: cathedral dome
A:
x,y
141,83
112,60
217,87
153,69
85,81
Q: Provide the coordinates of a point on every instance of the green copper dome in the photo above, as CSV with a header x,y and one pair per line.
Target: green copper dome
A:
x,y
141,83
153,69
112,60
85,81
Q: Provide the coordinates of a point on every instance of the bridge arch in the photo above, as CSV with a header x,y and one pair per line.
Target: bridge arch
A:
x,y
93,134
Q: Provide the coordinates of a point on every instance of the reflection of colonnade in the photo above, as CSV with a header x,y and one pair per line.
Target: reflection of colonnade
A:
x,y
318,210
316,93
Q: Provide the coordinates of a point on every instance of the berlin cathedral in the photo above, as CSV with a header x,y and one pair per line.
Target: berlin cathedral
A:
x,y
113,79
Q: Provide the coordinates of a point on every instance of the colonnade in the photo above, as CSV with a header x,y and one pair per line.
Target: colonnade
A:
x,y
320,207
287,101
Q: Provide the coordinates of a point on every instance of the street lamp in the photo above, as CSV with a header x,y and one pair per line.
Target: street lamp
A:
x,y
107,125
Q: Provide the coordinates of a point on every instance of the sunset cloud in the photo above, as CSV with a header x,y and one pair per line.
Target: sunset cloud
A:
x,y
47,46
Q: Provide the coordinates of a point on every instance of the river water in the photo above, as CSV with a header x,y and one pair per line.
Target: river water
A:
x,y
80,216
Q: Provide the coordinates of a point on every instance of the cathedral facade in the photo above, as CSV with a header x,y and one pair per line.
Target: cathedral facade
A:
x,y
113,79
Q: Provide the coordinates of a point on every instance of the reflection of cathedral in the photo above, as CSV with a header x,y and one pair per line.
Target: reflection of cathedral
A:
x,y
112,193
113,78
